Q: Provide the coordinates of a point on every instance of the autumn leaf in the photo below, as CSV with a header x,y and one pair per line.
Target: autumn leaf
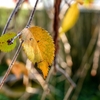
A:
x,y
39,47
18,68
5,44
70,18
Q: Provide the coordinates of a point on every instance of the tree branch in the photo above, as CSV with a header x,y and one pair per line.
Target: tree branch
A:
x,y
56,26
11,65
12,14
32,14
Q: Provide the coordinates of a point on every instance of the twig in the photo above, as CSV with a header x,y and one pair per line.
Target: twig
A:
x,y
32,14
28,23
87,54
12,14
68,92
86,67
11,65
34,73
73,85
56,27
96,57
47,80
67,76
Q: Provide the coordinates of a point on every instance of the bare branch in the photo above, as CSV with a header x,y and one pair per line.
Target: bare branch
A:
x,y
56,27
11,65
32,14
87,53
12,14
68,92
96,57
81,80
67,76
47,80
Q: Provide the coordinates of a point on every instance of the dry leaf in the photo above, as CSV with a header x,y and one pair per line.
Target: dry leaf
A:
x,y
18,68
39,47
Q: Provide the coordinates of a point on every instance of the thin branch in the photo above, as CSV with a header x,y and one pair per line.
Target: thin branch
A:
x,y
56,27
12,14
68,92
96,57
11,65
85,70
87,53
32,14
34,73
67,76
28,23
47,80
73,85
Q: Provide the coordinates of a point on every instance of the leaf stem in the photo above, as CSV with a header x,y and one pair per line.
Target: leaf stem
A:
x,y
31,15
11,65
12,14
15,37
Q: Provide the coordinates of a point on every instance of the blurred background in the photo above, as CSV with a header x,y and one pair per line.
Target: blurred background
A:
x,y
79,75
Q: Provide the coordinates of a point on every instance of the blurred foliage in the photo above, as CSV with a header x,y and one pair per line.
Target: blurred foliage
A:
x,y
90,89
3,97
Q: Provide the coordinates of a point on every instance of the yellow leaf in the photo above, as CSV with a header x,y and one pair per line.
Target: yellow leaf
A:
x,y
5,40
39,47
70,18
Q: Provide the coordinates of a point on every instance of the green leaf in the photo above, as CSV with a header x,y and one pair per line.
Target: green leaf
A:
x,y
5,44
